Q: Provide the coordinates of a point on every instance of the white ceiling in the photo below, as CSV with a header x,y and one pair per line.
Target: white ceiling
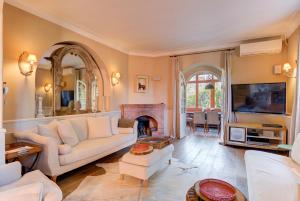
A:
x,y
164,27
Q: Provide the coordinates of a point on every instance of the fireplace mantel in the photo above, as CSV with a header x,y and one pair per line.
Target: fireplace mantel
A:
x,y
156,111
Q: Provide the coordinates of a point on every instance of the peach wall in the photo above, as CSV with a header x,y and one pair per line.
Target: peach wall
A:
x,y
159,91
26,32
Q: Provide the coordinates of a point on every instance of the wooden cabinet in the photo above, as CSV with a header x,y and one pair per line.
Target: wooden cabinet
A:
x,y
255,135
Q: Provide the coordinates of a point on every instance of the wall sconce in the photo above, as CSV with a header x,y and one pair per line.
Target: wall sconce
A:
x,y
115,78
289,71
27,63
286,70
47,87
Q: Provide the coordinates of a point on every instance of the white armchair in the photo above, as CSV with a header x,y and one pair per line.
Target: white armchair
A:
x,y
32,186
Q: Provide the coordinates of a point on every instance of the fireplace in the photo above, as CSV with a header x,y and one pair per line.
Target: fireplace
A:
x,y
150,117
146,125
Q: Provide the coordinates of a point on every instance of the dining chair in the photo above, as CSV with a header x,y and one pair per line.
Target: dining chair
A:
x,y
199,120
212,119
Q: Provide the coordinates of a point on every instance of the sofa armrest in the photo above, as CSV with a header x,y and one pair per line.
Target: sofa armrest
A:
x,y
48,161
10,172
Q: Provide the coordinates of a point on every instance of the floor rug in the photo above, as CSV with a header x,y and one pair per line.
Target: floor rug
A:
x,y
168,184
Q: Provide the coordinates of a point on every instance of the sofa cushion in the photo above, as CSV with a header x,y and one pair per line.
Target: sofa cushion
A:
x,y
295,153
64,149
114,120
50,130
50,188
67,133
99,127
148,159
80,126
91,147
269,177
32,192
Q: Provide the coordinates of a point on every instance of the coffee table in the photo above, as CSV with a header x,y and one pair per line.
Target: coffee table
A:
x,y
192,196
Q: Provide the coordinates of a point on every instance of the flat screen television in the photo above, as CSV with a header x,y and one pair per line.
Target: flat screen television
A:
x,y
66,97
259,98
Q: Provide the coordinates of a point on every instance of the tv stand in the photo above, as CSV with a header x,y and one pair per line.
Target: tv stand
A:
x,y
254,135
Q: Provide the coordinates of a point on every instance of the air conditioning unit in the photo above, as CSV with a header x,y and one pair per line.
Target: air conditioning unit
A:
x,y
263,46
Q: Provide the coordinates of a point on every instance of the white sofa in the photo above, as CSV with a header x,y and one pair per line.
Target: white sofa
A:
x,y
53,163
33,186
272,177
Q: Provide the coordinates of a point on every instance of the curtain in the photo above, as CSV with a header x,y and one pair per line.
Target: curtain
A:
x,y
226,80
175,71
295,120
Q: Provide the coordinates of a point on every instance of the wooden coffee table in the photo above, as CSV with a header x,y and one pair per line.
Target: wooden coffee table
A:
x,y
15,156
192,196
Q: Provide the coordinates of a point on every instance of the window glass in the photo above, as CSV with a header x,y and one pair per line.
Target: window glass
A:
x,y
193,78
203,96
191,95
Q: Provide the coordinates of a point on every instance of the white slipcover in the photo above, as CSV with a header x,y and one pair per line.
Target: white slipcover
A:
x,y
271,177
52,163
89,148
144,166
13,180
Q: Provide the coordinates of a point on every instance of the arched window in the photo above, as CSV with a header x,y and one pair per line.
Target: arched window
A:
x,y
203,92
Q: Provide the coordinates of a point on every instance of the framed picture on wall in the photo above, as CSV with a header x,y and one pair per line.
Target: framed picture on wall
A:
x,y
142,83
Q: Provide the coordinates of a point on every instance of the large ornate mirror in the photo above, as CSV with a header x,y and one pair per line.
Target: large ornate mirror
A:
x,y
67,82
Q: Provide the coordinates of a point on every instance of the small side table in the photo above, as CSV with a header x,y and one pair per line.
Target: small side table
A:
x,y
35,151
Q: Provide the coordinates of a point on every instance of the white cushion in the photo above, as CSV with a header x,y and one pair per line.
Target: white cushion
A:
x,y
99,127
10,172
295,153
64,149
67,133
269,177
92,147
50,130
32,192
125,130
114,120
148,159
50,188
80,126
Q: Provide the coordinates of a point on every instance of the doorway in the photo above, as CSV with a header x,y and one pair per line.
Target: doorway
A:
x,y
204,102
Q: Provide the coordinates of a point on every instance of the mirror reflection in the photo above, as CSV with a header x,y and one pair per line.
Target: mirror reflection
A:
x,y
65,85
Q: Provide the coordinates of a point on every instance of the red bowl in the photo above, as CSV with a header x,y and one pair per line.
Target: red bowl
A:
x,y
216,190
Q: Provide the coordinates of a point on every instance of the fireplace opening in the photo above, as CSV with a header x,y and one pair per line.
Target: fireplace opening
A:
x,y
146,126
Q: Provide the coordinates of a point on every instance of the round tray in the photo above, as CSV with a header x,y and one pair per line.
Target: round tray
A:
x,y
141,149
215,190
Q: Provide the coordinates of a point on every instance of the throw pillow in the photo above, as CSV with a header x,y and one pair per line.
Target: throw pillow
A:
x,y
126,123
67,133
80,126
295,153
50,130
99,127
114,125
64,149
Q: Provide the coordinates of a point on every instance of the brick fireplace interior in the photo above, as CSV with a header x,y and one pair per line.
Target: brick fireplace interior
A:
x,y
150,118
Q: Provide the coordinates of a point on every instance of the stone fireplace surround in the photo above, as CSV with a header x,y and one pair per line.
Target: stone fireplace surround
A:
x,y
154,111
